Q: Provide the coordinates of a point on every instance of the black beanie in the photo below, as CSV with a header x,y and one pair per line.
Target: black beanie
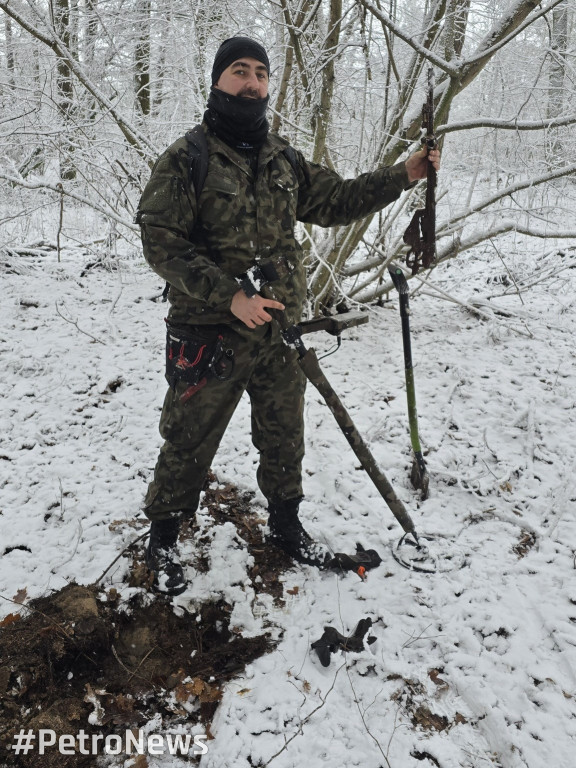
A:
x,y
233,49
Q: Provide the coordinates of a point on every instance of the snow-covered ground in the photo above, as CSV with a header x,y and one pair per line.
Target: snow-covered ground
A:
x,y
472,667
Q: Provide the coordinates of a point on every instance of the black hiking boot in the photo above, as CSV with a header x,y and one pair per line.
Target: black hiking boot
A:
x,y
287,533
162,557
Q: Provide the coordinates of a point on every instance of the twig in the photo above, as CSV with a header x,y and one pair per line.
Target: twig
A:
x,y
368,731
75,324
306,719
151,651
126,548
510,275
60,220
80,532
130,672
35,610
419,637
472,308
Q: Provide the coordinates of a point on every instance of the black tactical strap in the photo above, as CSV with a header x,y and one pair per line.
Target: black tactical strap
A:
x,y
198,158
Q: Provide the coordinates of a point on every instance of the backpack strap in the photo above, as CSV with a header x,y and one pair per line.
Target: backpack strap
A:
x,y
292,157
197,158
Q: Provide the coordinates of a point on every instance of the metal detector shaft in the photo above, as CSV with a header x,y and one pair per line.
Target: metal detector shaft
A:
x,y
420,478
309,364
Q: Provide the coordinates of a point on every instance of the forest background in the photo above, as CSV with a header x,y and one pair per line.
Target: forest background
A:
x,y
471,668
93,90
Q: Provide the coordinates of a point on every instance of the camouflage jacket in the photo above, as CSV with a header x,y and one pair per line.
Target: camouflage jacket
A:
x,y
200,246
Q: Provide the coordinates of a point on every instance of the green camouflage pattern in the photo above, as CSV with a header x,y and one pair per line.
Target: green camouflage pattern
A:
x,y
200,246
268,370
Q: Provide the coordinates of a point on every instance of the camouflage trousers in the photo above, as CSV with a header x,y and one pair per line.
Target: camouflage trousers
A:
x,y
268,371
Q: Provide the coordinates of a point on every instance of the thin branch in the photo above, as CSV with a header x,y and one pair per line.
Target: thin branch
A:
x,y
53,623
364,723
75,324
306,719
445,66
449,251
511,124
566,170
126,548
59,190
482,54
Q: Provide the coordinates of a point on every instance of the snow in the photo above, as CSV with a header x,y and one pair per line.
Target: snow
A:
x,y
490,647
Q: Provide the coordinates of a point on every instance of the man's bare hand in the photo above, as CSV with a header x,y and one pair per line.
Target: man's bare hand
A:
x,y
252,311
417,164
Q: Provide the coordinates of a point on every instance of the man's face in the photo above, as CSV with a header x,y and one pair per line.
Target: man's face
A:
x,y
245,77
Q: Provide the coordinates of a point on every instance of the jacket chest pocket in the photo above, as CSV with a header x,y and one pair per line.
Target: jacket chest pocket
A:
x,y
221,185
284,196
220,202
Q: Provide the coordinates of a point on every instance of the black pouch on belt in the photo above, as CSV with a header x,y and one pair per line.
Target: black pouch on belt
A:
x,y
194,354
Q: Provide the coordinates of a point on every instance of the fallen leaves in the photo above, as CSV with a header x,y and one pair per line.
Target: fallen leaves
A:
x,y
197,688
10,619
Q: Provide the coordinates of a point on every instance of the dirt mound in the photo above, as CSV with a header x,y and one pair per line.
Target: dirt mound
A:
x,y
82,659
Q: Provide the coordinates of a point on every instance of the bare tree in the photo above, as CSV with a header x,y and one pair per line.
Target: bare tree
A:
x,y
9,49
347,89
557,75
142,59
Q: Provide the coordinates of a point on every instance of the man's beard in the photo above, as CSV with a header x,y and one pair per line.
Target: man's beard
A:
x,y
248,93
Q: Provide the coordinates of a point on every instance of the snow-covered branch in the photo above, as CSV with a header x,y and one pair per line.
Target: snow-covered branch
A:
x,y
426,53
134,136
449,250
511,124
499,37
566,170
61,190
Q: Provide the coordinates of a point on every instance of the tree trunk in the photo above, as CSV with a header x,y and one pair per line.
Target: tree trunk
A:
x,y
9,49
321,118
142,60
558,46
60,10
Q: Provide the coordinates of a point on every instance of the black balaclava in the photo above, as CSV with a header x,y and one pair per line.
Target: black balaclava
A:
x,y
238,121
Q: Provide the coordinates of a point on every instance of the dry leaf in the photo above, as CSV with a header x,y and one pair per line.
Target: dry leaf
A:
x,y
434,676
244,691
176,678
10,619
198,686
293,591
20,596
183,692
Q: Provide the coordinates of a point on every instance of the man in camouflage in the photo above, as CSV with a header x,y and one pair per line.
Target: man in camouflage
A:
x,y
246,213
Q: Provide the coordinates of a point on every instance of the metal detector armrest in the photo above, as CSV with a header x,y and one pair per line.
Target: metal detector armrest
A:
x,y
334,324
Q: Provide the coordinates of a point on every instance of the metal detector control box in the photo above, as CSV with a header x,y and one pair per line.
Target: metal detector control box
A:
x,y
334,324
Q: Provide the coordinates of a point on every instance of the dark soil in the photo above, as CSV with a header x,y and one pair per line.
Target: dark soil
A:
x,y
82,659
